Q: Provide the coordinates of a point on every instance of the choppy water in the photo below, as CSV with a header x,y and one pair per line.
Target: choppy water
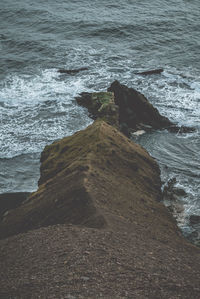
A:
x,y
114,40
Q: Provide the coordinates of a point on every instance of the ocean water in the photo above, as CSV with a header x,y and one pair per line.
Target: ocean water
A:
x,y
114,40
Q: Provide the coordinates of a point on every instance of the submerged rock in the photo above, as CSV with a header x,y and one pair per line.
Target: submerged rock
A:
x,y
194,237
173,200
151,72
71,72
181,129
171,192
194,219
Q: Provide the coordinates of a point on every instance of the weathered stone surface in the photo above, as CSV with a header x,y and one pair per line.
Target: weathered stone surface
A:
x,y
113,238
85,177
135,110
194,219
181,129
173,199
171,192
101,105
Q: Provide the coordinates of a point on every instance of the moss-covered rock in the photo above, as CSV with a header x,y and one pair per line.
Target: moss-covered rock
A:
x,y
101,105
9,201
86,178
127,109
123,107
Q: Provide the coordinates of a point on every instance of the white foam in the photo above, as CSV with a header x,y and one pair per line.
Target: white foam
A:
x,y
176,97
38,109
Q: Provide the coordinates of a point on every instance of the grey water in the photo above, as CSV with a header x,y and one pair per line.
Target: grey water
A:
x,y
114,39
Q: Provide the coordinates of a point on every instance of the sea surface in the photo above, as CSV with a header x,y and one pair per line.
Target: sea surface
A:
x,y
114,40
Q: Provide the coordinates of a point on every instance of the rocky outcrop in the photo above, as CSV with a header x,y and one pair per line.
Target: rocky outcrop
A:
x,y
181,129
135,111
123,107
128,110
101,105
194,219
85,178
173,199
151,72
72,72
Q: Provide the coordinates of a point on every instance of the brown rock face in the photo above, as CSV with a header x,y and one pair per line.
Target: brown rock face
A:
x,y
85,178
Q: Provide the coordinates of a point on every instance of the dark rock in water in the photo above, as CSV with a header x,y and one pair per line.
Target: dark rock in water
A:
x,y
176,208
171,192
179,192
9,201
171,183
180,130
113,239
100,105
71,72
194,219
172,198
151,72
194,238
134,108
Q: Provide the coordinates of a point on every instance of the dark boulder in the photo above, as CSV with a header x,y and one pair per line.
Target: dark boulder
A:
x,y
194,219
151,72
171,192
135,110
72,72
88,178
181,129
173,199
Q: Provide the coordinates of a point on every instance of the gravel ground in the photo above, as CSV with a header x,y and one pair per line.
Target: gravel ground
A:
x,y
66,261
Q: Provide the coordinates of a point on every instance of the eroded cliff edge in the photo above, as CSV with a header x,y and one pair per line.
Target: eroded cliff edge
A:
x,y
96,228
86,177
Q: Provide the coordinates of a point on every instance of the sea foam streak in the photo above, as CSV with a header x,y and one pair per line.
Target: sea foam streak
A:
x,y
38,110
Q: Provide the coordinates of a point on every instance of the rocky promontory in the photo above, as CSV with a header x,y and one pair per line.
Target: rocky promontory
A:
x,y
127,109
96,226
86,177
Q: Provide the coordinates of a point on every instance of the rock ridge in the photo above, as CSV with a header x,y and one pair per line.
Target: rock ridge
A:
x,y
86,176
96,228
127,109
